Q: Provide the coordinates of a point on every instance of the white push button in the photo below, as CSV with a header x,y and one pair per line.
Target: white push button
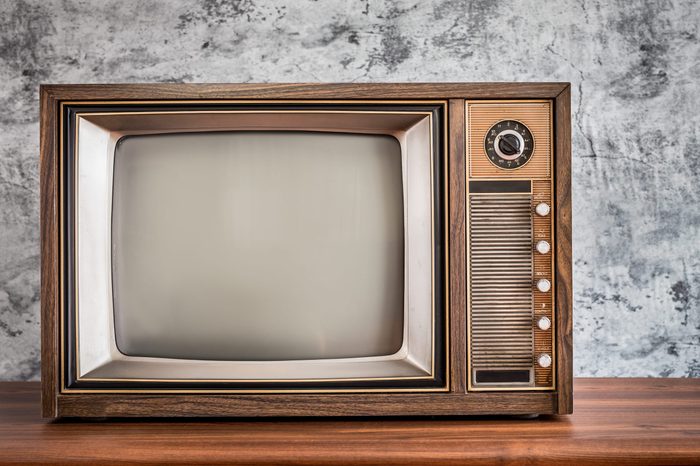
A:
x,y
544,360
542,247
544,285
542,209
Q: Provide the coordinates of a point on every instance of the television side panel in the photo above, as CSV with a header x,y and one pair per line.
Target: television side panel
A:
x,y
563,266
50,251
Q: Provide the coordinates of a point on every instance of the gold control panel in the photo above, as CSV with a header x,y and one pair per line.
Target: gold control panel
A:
x,y
510,315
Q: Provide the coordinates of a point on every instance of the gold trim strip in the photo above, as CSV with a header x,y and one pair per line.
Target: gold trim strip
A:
x,y
251,381
197,112
552,235
254,101
61,282
207,391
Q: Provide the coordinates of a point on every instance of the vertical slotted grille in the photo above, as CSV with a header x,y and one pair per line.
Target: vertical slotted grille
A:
x,y
500,252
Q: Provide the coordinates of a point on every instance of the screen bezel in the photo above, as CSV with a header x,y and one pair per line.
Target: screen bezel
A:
x,y
439,379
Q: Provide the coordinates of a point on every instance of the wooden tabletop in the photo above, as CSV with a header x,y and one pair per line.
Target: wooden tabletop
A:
x,y
615,422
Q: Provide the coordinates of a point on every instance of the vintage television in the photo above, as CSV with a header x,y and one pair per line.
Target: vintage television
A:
x,y
306,249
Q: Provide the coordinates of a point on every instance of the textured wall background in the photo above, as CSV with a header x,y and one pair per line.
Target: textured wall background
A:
x,y
634,68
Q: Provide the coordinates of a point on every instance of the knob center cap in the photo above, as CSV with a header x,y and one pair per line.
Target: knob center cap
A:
x,y
509,144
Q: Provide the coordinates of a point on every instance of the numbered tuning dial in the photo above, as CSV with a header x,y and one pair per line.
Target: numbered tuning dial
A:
x,y
509,144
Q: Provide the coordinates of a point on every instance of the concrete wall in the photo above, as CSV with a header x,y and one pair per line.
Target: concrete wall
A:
x,y
634,68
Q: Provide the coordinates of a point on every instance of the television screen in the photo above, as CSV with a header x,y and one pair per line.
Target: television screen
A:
x,y
258,245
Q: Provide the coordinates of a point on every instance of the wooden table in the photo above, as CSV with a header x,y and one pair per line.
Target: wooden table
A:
x,y
615,421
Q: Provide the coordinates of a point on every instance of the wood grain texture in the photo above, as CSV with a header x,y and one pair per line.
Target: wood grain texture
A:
x,y
616,422
562,240
305,91
48,193
299,404
457,235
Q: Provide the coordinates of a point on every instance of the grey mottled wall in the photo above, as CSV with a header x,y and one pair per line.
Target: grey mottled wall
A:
x,y
634,68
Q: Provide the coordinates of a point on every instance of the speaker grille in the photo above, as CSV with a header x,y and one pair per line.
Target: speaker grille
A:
x,y
501,271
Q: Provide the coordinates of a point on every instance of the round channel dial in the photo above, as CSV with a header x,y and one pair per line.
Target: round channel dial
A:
x,y
509,144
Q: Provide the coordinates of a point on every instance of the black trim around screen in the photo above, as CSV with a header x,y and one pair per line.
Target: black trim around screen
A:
x,y
440,248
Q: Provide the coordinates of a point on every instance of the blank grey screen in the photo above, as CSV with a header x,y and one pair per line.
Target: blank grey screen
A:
x,y
258,246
